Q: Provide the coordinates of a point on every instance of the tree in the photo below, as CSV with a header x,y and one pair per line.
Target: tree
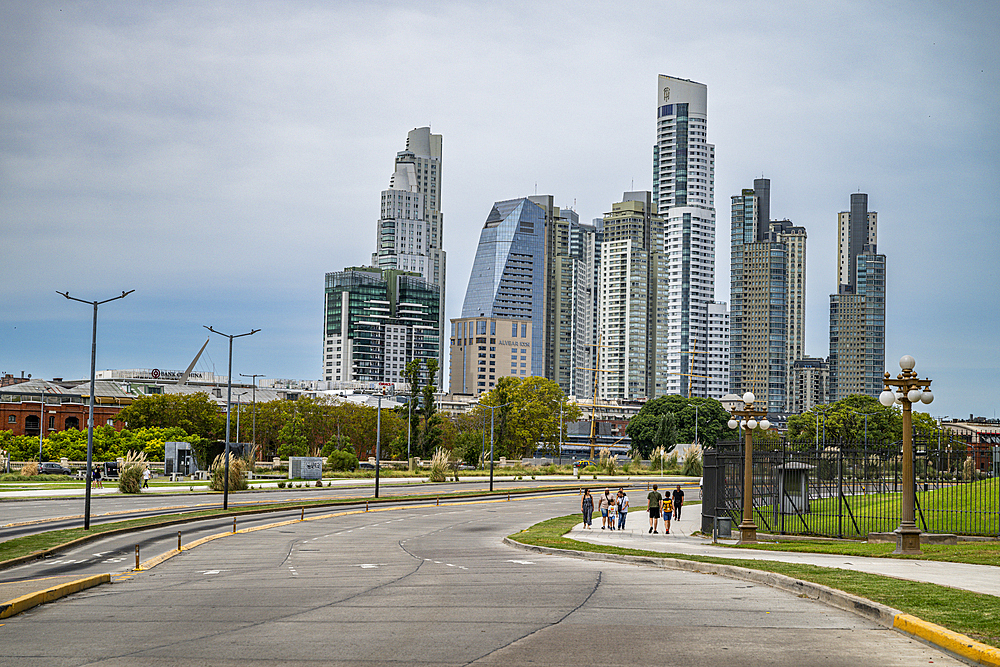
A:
x,y
712,420
527,415
666,432
198,414
844,422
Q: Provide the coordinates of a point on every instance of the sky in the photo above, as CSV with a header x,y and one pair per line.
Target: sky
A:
x,y
220,158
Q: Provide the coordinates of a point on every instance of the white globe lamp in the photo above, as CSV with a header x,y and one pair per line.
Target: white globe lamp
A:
x,y
887,398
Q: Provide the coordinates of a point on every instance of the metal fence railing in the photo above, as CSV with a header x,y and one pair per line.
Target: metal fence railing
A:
x,y
849,490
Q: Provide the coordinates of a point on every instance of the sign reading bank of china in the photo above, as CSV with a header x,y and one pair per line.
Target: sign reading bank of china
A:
x,y
157,374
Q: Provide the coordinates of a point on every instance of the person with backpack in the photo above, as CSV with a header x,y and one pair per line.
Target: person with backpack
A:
x,y
668,510
654,498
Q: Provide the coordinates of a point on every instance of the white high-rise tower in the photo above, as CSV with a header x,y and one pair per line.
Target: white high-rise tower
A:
x,y
410,227
684,196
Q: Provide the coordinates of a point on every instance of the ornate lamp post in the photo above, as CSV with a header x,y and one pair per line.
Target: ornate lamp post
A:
x,y
748,419
908,391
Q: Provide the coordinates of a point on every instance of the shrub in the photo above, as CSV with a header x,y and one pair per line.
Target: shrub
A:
x,y
130,478
281,485
319,482
237,473
339,459
30,469
439,465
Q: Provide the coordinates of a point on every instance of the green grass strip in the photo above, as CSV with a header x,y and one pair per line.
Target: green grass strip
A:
x,y
973,614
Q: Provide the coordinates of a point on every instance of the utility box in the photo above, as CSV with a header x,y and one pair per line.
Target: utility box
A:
x,y
305,467
178,459
793,487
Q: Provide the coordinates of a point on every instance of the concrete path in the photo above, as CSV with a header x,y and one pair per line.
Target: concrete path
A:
x,y
976,578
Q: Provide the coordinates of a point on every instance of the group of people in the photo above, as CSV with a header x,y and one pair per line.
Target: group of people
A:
x,y
614,509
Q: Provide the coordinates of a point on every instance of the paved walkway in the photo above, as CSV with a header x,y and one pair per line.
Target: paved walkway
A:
x,y
977,578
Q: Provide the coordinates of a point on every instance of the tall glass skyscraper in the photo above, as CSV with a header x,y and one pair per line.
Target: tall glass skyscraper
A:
x,y
508,273
684,196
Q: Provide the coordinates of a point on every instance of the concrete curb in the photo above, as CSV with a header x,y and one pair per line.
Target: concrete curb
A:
x,y
936,635
25,602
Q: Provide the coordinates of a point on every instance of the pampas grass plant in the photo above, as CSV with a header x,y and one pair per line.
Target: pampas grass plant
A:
x,y
130,479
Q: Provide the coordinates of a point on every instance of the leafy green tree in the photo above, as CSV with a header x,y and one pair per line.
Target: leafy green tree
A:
x,y
341,460
527,415
666,432
712,420
197,414
293,439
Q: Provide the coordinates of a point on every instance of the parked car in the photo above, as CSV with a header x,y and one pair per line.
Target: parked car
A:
x,y
53,468
364,465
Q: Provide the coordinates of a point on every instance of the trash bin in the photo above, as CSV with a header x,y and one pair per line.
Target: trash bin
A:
x,y
723,527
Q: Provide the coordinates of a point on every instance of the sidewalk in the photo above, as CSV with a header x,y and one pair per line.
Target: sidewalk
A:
x,y
976,578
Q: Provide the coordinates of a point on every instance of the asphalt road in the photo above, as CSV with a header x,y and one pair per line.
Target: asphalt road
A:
x,y
435,586
28,517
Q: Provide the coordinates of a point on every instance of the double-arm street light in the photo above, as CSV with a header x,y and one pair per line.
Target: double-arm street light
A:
x,y
492,409
90,420
229,408
748,419
907,392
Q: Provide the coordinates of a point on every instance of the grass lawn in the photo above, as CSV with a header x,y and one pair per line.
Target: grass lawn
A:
x,y
972,614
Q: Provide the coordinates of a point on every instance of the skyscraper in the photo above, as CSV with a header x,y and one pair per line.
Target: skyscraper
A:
x,y
684,196
508,273
767,293
631,279
410,227
857,311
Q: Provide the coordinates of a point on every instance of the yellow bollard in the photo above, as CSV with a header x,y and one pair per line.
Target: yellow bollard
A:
x,y
178,540
366,505
137,556
234,524
303,517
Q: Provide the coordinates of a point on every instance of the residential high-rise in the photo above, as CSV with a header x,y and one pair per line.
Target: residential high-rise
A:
x,y
631,282
767,294
585,247
376,321
857,311
410,227
717,350
507,281
684,196
810,380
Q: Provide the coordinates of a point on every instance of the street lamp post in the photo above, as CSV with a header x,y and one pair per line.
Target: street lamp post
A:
x,y
93,382
229,408
492,409
239,411
908,391
254,398
695,406
748,419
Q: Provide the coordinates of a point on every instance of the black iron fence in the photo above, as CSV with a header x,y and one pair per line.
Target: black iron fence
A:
x,y
849,490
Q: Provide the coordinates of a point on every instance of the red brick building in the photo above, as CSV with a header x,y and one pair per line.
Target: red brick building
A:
x,y
66,406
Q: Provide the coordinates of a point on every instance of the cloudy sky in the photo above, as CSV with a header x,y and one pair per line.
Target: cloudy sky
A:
x,y
220,157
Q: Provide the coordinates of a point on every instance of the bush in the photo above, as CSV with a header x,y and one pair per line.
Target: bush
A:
x,y
30,469
319,482
130,478
339,459
237,473
281,485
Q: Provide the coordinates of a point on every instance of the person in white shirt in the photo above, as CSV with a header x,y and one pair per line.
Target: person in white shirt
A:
x,y
622,507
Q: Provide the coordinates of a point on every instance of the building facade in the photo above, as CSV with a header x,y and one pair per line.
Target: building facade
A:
x,y
684,196
376,321
585,247
631,281
411,224
857,311
809,386
718,350
485,349
507,280
767,293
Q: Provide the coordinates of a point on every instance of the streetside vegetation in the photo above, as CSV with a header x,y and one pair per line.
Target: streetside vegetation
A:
x,y
844,421
109,444
972,614
667,420
130,479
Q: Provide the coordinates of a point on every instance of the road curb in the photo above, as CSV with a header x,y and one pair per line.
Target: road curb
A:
x,y
931,633
25,602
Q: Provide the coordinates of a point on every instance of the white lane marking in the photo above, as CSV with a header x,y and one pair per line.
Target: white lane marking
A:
x,y
521,562
368,566
207,572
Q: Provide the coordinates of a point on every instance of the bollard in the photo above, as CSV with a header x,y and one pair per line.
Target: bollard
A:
x,y
303,517
137,556
437,501
178,540
366,505
234,524
508,496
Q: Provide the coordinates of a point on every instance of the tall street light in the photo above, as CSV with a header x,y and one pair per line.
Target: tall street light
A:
x,y
93,375
907,392
384,389
254,398
229,408
695,406
239,411
748,419
492,409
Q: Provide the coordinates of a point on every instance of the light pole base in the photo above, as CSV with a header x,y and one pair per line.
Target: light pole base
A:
x,y
907,540
748,533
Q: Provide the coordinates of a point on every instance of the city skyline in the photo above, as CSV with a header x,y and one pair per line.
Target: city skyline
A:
x,y
220,162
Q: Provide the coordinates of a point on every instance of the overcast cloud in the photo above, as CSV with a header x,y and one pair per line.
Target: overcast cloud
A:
x,y
220,158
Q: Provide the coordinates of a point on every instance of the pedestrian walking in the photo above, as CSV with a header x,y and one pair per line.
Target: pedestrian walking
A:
x,y
587,507
145,477
654,499
602,505
96,479
612,510
622,508
668,510
678,496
